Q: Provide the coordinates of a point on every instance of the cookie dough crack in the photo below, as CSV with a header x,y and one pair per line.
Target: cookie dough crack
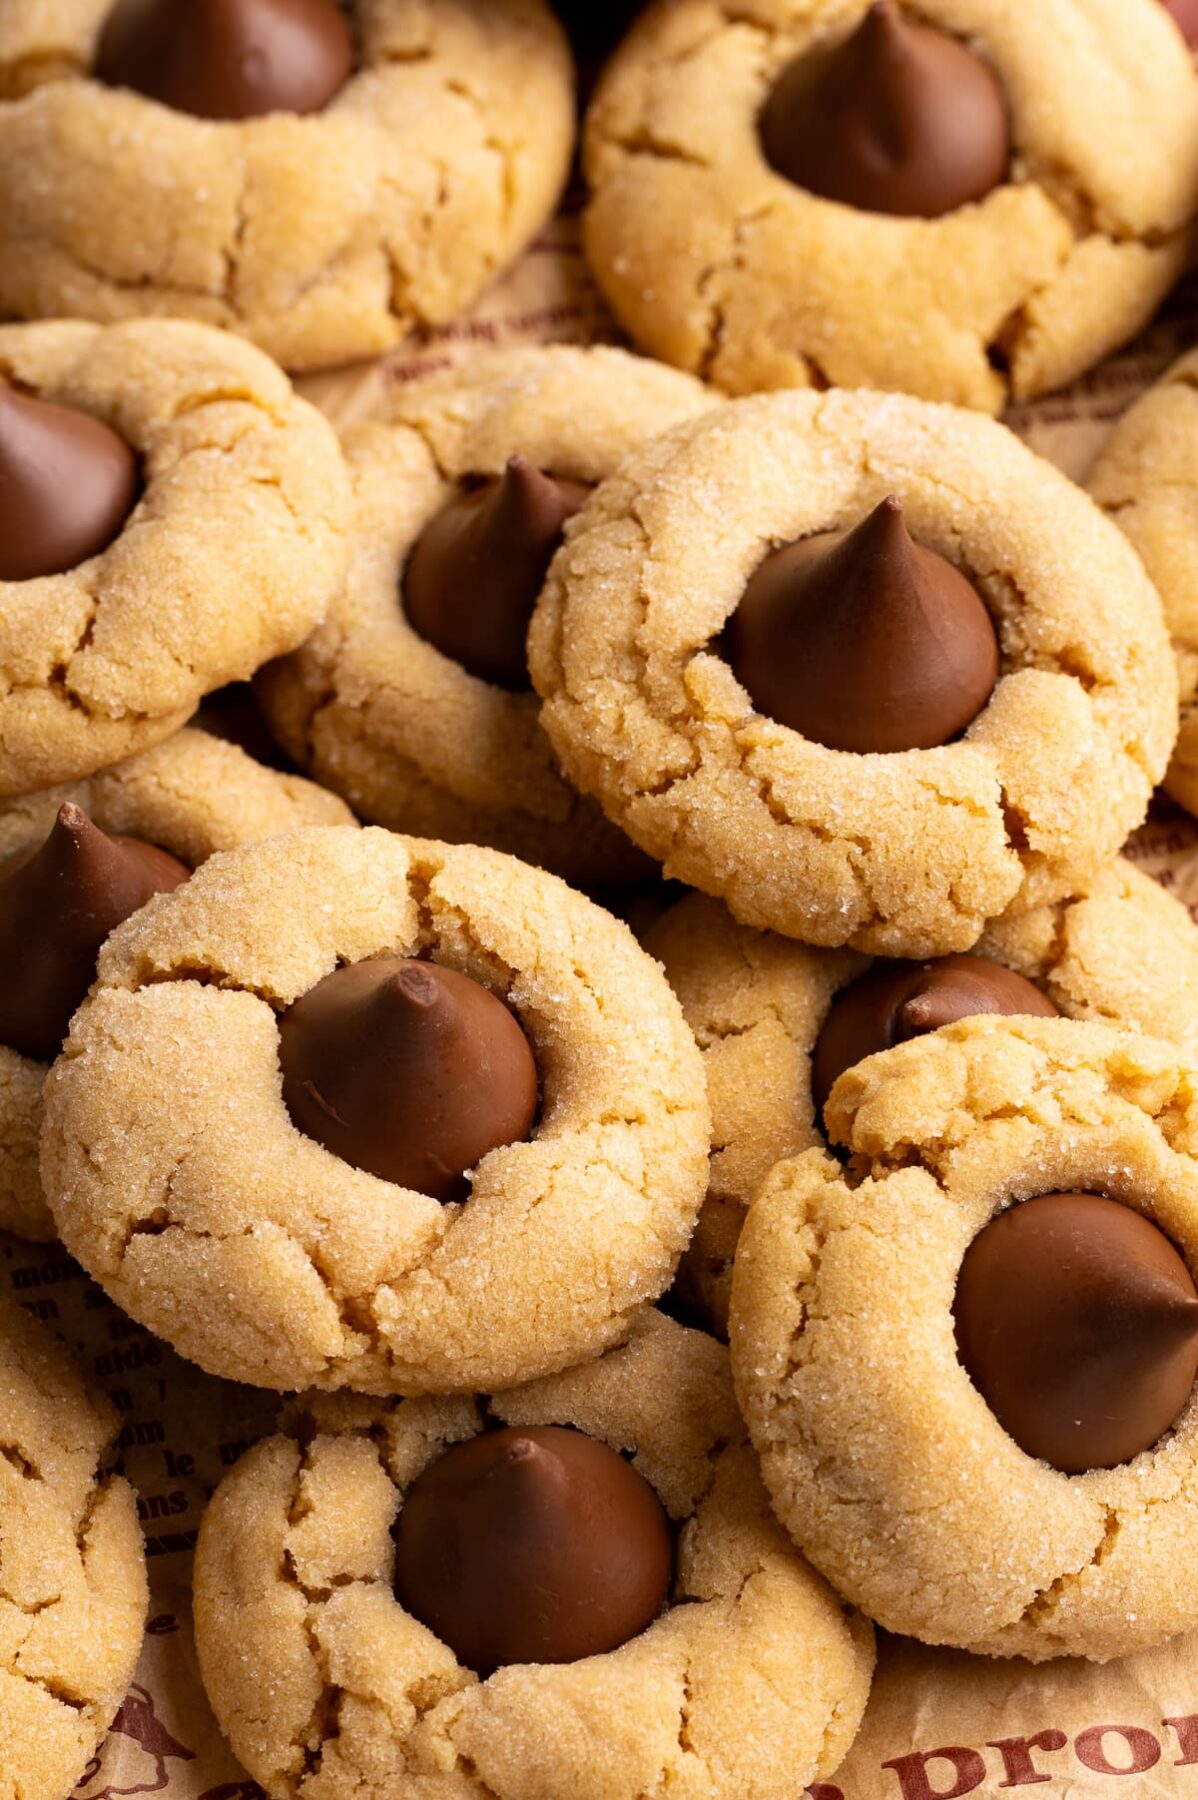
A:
x,y
466,1766
1039,1611
57,1690
505,153
728,268
16,1459
154,282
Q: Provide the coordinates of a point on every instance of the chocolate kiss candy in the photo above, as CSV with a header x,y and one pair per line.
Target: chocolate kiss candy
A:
x,y
1078,1324
532,1545
228,59
899,118
56,909
67,485
478,566
1185,14
895,1001
863,640
407,1070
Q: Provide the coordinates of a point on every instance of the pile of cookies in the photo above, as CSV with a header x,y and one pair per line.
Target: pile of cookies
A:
x,y
653,1312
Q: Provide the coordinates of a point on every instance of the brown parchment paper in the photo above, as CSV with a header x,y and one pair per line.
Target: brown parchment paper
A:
x,y
940,1724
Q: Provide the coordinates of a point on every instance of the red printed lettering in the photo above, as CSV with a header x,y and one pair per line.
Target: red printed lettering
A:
x,y
969,1772
823,1790
1187,1737
1144,1748
1016,1756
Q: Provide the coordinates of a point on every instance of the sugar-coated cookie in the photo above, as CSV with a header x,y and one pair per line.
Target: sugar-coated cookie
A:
x,y
449,547
173,516
323,225
487,1150
748,1684
794,193
1036,1506
979,730
73,1591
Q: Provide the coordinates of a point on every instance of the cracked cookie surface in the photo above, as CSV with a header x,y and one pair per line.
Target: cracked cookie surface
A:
x,y
233,552
321,238
716,263
1125,953
1147,480
752,1682
908,854
881,1457
177,1177
411,738
193,795
73,1592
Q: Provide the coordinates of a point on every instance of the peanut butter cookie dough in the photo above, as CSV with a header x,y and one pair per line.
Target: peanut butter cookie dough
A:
x,y
727,244
191,796
1147,480
851,1324
73,1590
750,1682
175,1170
896,851
412,736
322,233
1125,953
219,544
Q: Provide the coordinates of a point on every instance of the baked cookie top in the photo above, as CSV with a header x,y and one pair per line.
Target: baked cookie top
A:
x,y
1124,953
267,1257
294,1579
883,1458
73,1589
191,796
321,237
1146,478
232,552
719,263
910,852
416,740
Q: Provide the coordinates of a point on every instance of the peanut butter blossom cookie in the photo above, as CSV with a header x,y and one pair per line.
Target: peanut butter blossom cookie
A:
x,y
77,860
863,667
171,516
1147,480
968,1359
576,1587
351,1109
794,193
414,699
72,1566
345,172
778,1022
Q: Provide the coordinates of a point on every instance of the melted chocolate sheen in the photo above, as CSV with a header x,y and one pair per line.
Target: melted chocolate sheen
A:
x,y
1185,15
476,570
1077,1322
56,909
898,118
895,1001
67,485
228,59
532,1545
864,640
407,1070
